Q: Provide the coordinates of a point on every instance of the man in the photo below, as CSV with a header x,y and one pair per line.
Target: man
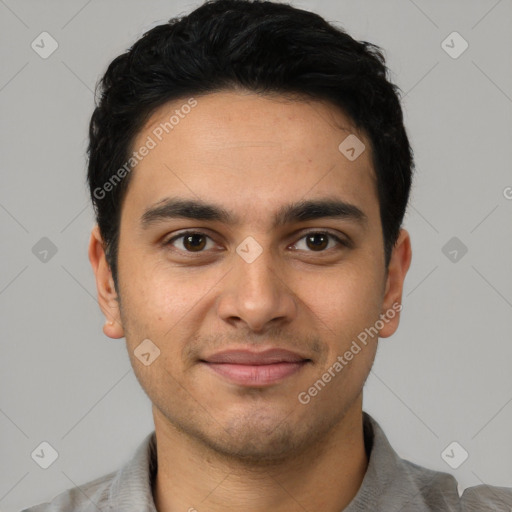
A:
x,y
250,171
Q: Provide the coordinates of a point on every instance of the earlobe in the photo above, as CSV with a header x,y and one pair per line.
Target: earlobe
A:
x,y
107,295
399,264
113,329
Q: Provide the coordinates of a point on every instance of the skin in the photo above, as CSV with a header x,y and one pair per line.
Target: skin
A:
x,y
222,446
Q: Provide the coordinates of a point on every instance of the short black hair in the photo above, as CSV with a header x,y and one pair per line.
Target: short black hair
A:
x,y
259,46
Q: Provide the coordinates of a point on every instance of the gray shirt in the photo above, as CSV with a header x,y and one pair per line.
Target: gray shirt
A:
x,y
391,484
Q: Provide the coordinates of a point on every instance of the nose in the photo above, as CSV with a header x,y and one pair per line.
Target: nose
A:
x,y
257,293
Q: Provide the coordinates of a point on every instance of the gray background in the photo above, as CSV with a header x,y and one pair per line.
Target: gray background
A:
x,y
444,376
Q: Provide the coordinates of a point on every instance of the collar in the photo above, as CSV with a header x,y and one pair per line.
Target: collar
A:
x,y
389,481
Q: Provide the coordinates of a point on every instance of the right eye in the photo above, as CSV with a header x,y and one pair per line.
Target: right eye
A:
x,y
193,241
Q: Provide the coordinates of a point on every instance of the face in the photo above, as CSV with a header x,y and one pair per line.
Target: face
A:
x,y
253,299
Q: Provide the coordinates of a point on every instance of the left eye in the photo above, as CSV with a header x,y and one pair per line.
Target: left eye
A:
x,y
319,240
196,241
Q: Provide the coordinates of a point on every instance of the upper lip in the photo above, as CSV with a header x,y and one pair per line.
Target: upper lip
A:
x,y
270,356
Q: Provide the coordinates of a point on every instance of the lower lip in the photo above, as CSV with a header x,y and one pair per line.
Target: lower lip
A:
x,y
256,375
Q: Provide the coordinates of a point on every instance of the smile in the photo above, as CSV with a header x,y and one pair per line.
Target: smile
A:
x,y
256,375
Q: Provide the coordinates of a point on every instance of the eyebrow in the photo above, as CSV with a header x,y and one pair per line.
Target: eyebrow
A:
x,y
301,211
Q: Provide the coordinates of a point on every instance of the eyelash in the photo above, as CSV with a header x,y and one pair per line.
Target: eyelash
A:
x,y
341,242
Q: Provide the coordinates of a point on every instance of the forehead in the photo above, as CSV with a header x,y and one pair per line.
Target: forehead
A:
x,y
251,152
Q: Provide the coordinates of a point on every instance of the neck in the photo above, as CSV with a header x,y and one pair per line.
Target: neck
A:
x,y
192,477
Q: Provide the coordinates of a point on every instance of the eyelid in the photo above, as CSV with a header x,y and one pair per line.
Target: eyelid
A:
x,y
342,240
168,242
184,233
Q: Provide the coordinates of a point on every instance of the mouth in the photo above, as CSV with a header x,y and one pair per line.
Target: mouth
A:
x,y
255,369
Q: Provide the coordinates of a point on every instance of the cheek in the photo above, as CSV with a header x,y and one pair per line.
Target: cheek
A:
x,y
149,287
345,300
165,304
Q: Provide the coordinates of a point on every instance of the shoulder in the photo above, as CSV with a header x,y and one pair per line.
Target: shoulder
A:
x,y
439,491
128,488
90,496
392,482
486,497
435,488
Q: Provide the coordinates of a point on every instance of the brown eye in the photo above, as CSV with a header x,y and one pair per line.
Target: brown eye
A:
x,y
194,242
318,241
191,241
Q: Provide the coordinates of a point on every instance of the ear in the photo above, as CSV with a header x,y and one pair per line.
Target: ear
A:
x,y
398,266
107,295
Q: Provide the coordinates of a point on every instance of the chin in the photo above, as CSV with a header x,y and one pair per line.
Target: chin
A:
x,y
259,438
